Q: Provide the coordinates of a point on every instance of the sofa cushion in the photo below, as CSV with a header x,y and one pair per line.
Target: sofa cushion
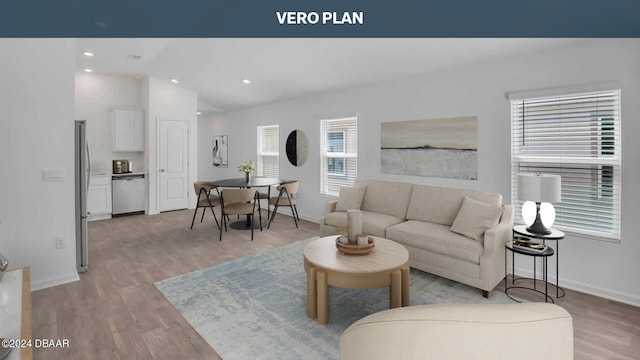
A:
x,y
441,205
386,197
475,217
436,238
372,223
350,198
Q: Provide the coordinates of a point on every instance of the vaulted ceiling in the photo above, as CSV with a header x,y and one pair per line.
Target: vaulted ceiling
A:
x,y
281,69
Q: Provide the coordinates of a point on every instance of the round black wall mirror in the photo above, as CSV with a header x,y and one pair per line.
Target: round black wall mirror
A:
x,y
297,148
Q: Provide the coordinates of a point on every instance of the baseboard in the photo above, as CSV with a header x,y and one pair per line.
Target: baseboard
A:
x,y
59,280
287,211
626,298
99,217
309,219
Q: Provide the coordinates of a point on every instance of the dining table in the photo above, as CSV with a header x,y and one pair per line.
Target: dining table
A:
x,y
255,181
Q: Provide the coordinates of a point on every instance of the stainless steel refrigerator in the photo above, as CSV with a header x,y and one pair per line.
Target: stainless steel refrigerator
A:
x,y
82,172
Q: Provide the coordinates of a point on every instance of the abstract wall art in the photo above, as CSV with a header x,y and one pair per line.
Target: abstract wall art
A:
x,y
445,148
219,151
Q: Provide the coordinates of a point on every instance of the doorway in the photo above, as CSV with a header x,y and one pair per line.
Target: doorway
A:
x,y
173,165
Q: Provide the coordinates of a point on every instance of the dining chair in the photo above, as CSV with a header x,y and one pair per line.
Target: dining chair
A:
x,y
265,196
286,197
205,200
239,202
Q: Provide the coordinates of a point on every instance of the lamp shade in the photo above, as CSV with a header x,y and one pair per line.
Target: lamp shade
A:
x,y
539,187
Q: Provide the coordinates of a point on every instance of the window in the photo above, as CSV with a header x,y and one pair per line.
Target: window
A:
x,y
577,137
268,151
335,144
339,154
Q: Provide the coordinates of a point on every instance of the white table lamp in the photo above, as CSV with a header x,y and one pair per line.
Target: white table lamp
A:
x,y
539,191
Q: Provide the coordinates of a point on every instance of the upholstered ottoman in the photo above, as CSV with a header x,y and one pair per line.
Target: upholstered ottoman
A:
x,y
465,331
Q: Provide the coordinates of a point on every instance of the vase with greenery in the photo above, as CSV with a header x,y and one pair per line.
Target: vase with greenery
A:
x,y
247,168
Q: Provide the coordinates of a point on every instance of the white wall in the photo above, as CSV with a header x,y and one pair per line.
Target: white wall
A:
x,y
602,268
168,101
97,95
36,133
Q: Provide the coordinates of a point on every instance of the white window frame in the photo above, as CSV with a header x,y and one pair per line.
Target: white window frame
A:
x,y
330,182
563,134
262,167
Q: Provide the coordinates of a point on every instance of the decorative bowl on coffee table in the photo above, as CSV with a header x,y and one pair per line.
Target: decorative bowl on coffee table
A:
x,y
353,249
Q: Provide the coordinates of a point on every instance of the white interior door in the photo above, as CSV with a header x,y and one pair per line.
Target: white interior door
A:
x,y
173,161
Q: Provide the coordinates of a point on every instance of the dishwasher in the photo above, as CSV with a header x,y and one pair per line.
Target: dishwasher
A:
x,y
128,193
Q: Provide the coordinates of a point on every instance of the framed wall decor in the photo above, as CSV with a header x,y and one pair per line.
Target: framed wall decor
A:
x,y
219,151
446,148
297,148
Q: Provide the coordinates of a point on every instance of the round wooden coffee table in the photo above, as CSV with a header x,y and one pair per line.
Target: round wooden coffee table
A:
x,y
387,265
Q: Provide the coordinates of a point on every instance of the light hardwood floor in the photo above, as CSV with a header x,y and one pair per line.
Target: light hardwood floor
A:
x,y
115,312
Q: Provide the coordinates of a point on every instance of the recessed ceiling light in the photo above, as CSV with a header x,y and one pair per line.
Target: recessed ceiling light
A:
x,y
87,53
246,81
199,113
174,81
88,70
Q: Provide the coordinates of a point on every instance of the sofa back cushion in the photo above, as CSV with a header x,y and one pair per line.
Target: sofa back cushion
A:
x,y
441,205
350,198
385,197
475,217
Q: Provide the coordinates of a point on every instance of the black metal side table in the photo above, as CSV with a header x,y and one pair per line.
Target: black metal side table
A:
x,y
556,235
535,254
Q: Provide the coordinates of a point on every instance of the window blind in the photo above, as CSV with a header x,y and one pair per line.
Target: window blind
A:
x,y
575,136
338,154
268,151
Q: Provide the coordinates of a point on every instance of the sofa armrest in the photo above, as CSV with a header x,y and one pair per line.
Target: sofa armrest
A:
x,y
325,229
496,237
330,207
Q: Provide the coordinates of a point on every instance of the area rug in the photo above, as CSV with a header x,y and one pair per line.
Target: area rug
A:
x,y
255,307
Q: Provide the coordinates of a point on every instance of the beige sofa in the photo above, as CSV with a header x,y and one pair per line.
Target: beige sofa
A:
x,y
463,331
454,233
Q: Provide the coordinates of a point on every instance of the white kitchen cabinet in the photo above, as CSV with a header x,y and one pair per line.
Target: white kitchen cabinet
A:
x,y
128,130
99,197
